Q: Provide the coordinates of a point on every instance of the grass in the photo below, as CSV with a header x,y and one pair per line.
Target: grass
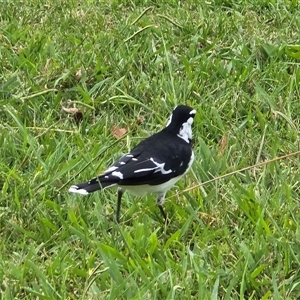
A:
x,y
128,64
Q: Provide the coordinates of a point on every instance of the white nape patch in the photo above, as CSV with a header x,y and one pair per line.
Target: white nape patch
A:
x,y
117,174
122,163
144,170
111,169
185,131
193,112
161,167
134,159
74,189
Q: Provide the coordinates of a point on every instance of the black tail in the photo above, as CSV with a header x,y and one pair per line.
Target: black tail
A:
x,y
92,185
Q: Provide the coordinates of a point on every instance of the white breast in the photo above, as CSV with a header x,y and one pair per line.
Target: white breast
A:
x,y
144,189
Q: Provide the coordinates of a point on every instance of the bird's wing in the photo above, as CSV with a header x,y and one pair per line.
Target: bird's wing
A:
x,y
148,167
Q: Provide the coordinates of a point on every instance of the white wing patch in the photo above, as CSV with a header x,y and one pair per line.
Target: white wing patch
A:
x,y
144,170
117,174
161,167
111,169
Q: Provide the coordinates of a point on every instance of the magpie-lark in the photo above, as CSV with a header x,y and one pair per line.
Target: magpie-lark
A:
x,y
153,166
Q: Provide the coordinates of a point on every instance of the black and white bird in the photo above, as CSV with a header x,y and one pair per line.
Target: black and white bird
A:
x,y
153,166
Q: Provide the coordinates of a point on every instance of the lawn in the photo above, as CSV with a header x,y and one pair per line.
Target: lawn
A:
x,y
82,82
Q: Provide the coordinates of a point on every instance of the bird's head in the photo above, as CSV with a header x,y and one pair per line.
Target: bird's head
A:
x,y
180,122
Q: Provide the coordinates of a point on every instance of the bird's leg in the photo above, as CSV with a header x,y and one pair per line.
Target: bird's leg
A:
x,y
120,194
160,201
